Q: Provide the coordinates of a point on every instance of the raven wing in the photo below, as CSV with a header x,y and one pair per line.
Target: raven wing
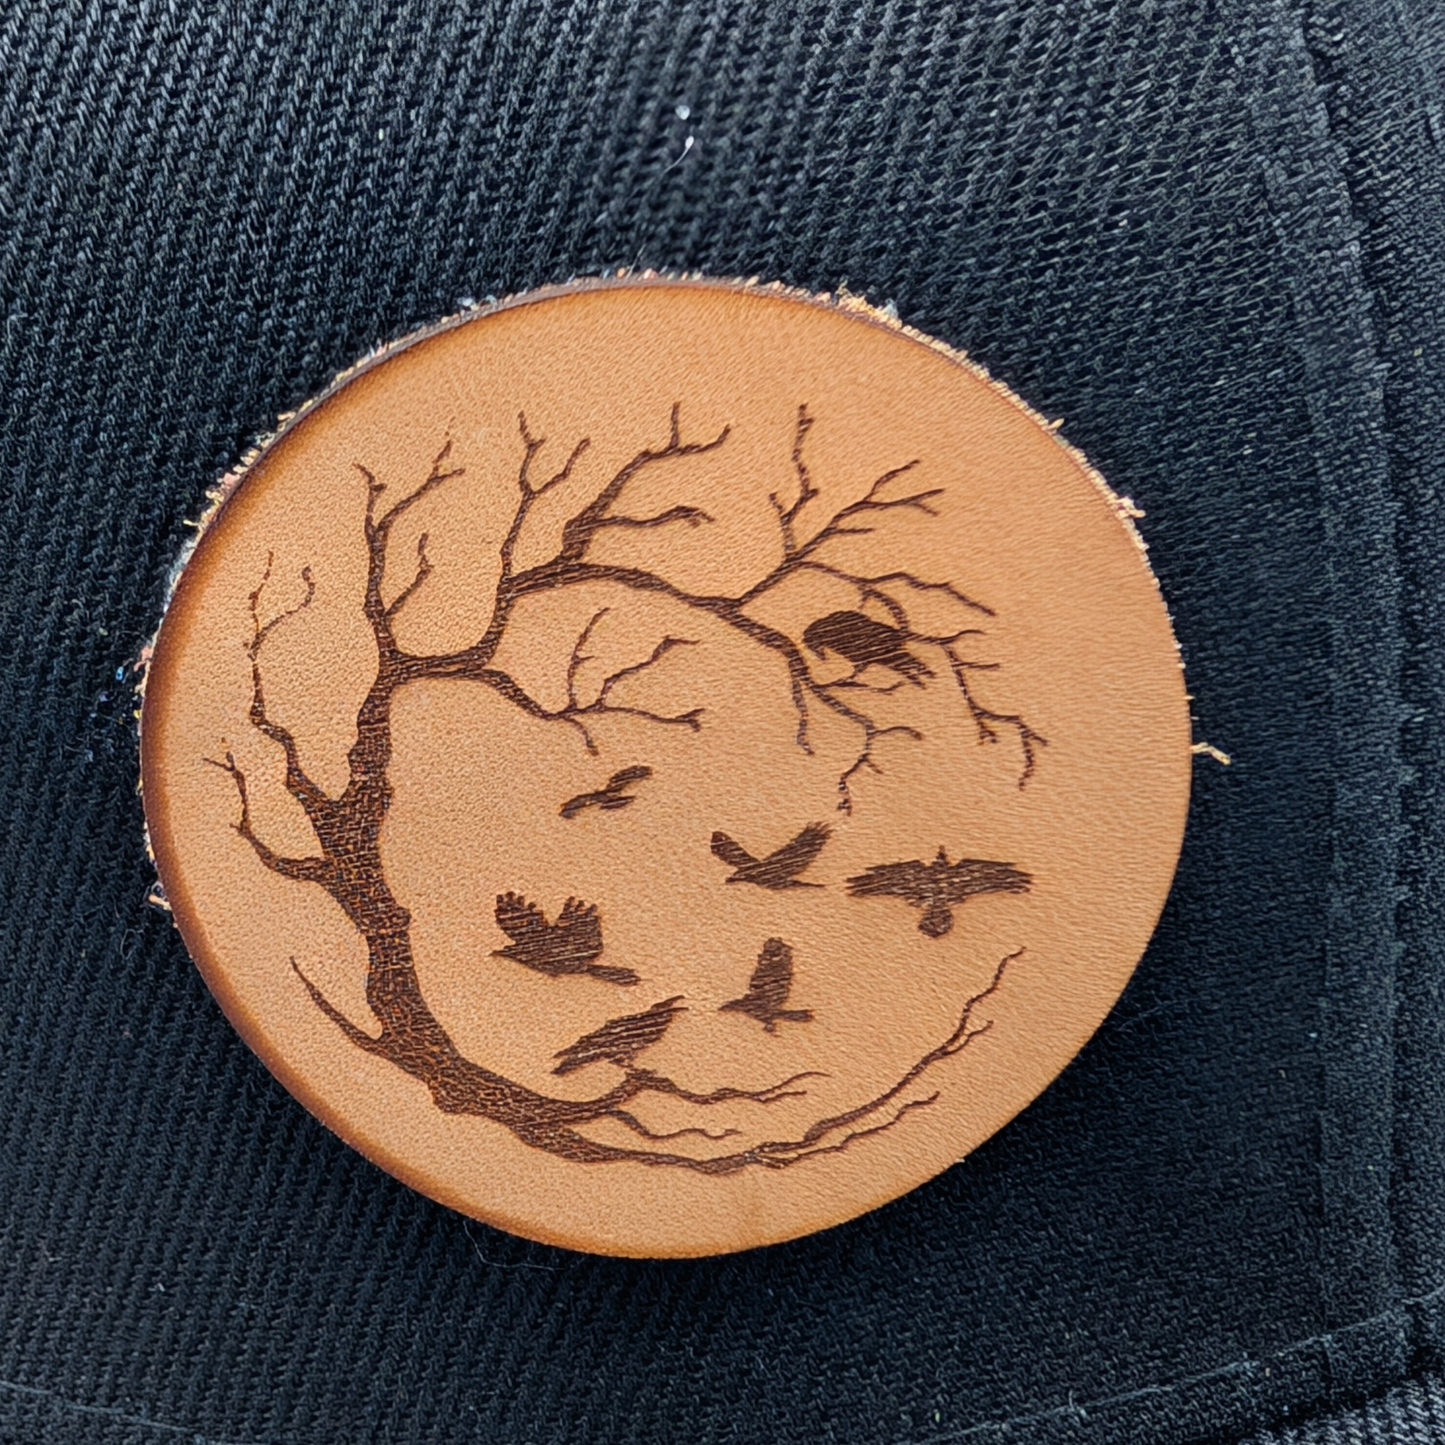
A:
x,y
794,856
970,876
573,806
635,774
521,921
592,1047
618,1039
731,853
912,880
578,932
772,979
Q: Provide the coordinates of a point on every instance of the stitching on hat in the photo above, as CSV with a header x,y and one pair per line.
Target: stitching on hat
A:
x,y
1358,997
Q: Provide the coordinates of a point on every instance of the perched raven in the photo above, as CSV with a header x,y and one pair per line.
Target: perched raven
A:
x,y
865,643
619,1041
768,989
611,795
777,870
570,945
935,887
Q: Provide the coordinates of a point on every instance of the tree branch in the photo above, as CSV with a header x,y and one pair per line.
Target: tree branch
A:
x,y
693,516
298,784
358,1036
570,567
578,658
802,685
378,535
259,631
530,492
962,1035
989,722
818,1138
871,589
865,759
380,529
787,516
870,502
656,655
644,1081
638,1127
577,535
576,713
423,571
300,870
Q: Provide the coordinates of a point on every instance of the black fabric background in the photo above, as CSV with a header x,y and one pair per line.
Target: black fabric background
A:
x,y
1211,236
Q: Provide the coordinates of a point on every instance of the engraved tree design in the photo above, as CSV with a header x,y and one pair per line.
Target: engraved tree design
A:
x,y
348,827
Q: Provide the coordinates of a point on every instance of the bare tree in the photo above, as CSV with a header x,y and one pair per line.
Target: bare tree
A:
x,y
348,827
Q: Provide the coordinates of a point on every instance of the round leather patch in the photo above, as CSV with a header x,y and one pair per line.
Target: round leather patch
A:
x,y
665,767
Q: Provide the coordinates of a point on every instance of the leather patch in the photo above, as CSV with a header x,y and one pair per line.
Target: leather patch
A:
x,y
664,767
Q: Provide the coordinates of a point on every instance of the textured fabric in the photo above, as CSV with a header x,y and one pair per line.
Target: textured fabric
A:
x,y
1413,1414
1211,237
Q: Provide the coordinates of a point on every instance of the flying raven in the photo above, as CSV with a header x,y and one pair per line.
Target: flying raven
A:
x,y
935,887
768,989
777,870
570,945
611,795
865,643
619,1041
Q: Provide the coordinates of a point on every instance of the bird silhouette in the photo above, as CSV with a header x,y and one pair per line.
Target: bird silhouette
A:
x,y
611,795
570,945
936,887
619,1041
777,870
865,643
768,989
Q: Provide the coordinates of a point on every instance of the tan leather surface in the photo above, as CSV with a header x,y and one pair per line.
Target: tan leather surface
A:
x,y
852,868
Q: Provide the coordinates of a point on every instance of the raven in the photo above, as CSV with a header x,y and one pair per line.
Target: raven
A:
x,y
865,643
935,887
611,795
768,989
570,945
777,870
619,1041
